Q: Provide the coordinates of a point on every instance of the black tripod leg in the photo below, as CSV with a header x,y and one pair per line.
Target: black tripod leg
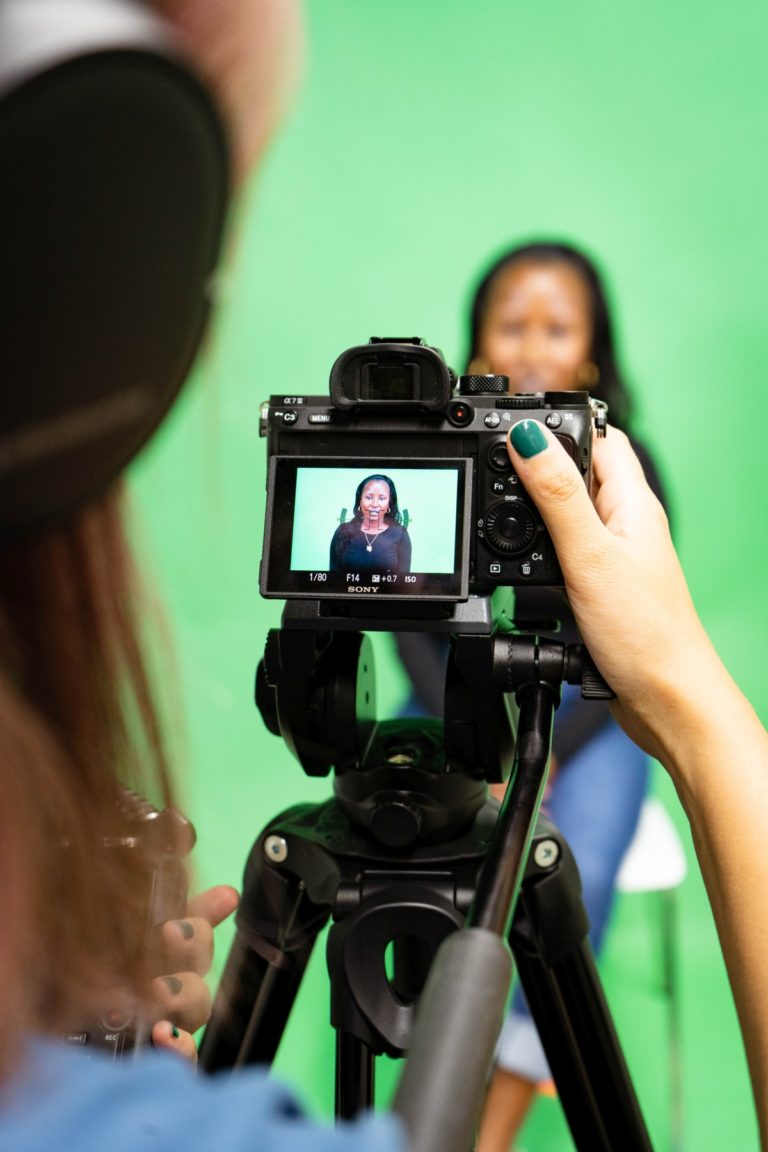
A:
x,y
354,1076
277,925
558,973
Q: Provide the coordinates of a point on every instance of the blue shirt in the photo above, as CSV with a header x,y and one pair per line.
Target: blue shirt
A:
x,y
67,1101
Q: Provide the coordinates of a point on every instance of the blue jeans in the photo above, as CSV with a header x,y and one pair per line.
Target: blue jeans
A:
x,y
594,800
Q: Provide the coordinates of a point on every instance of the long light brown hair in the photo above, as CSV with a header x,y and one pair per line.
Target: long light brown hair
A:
x,y
77,727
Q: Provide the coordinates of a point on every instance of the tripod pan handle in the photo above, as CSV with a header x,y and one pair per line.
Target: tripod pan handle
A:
x,y
442,1088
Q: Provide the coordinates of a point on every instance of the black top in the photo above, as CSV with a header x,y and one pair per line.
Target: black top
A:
x,y
424,654
354,551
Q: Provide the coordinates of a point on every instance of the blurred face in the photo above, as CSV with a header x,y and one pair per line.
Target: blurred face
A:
x,y
537,328
374,502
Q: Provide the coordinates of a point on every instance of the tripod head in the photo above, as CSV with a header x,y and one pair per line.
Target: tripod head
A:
x,y
409,781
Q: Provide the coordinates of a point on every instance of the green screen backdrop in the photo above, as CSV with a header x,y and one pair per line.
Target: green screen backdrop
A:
x,y
424,139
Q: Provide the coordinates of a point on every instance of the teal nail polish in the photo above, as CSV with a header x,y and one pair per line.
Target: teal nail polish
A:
x,y
175,1032
186,929
528,438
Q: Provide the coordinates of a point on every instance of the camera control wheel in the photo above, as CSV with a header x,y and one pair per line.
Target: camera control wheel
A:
x,y
510,527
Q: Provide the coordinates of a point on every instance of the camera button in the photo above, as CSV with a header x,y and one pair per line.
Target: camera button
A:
x,y
289,416
494,569
526,568
116,1020
498,458
553,420
460,413
492,420
498,487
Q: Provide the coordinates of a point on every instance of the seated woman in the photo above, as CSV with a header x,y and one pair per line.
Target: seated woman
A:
x,y
374,540
540,317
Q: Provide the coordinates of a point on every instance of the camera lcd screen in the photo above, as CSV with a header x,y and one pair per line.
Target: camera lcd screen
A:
x,y
389,529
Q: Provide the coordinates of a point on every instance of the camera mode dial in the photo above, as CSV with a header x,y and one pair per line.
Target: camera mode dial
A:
x,y
510,527
476,385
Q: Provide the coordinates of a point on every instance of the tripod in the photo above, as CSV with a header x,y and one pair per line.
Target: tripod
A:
x,y
410,859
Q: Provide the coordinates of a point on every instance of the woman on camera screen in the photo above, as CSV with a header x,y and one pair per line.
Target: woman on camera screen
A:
x,y
540,317
375,539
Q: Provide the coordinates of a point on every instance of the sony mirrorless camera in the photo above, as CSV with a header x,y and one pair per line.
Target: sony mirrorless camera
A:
x,y
458,520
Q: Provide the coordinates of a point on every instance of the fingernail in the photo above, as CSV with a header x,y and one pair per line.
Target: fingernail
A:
x,y
175,1032
173,983
528,438
186,929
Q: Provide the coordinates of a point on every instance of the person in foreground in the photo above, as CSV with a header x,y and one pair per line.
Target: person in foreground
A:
x,y
80,725
674,696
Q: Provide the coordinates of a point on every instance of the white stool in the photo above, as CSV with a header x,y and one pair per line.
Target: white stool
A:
x,y
655,862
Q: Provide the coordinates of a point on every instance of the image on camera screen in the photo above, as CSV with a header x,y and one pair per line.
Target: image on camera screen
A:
x,y
385,529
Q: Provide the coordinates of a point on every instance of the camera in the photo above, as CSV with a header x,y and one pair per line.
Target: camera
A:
x,y
398,484
165,837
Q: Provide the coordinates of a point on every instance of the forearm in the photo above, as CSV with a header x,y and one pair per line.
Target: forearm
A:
x,y
673,696
717,756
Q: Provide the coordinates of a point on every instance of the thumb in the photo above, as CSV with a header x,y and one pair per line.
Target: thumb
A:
x,y
555,485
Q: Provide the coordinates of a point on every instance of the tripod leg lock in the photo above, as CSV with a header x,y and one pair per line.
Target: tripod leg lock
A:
x,y
550,918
